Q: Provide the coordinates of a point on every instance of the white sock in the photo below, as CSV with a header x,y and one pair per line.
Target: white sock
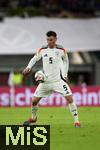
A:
x,y
34,112
73,109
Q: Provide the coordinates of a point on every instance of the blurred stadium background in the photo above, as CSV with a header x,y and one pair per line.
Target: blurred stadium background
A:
x,y
23,24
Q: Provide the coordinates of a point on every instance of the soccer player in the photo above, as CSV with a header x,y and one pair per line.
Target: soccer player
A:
x,y
55,67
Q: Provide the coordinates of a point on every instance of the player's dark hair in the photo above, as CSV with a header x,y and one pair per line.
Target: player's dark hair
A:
x,y
51,33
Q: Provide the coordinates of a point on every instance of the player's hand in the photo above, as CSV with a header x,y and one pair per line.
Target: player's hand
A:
x,y
66,79
26,71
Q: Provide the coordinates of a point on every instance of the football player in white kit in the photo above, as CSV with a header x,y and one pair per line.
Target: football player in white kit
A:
x,y
55,67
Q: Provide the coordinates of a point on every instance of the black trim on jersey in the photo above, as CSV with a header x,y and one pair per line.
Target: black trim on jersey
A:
x,y
44,47
62,76
59,46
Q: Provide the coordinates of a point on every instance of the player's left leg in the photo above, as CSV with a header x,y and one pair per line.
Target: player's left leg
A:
x,y
73,110
63,88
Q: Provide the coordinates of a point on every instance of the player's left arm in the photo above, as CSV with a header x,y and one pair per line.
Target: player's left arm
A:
x,y
65,65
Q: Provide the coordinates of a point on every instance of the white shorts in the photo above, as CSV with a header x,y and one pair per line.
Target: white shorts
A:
x,y
46,89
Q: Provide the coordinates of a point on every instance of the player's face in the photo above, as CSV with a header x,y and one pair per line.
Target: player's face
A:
x,y
51,41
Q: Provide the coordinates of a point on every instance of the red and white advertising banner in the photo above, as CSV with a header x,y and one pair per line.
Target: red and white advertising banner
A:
x,y
19,97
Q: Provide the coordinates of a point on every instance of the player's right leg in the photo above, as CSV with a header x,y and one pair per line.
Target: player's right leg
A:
x,y
35,101
43,90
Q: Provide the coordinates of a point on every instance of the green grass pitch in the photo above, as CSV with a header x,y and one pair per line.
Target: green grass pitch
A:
x,y
63,134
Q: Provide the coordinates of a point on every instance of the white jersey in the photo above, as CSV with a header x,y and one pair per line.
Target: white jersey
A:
x,y
55,62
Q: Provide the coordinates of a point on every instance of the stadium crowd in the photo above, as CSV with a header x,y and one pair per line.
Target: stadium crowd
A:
x,y
50,7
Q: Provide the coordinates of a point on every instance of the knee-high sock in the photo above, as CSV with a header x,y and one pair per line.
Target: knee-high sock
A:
x,y
34,112
73,109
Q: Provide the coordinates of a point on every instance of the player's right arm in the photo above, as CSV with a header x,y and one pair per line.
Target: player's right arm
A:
x,y
32,62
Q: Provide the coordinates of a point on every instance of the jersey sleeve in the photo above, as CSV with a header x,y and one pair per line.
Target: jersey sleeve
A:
x,y
65,67
36,58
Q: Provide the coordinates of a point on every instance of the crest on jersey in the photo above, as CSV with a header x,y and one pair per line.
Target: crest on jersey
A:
x,y
57,53
45,55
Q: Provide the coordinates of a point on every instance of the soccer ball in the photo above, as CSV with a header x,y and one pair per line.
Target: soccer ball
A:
x,y
40,76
